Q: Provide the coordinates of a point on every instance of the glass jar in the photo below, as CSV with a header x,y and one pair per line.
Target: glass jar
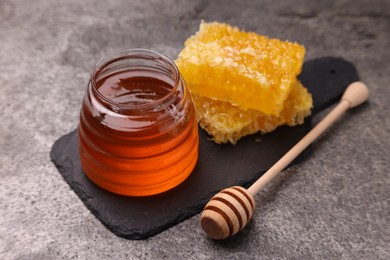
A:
x,y
138,134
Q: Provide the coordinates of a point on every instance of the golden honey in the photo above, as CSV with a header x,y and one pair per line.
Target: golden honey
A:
x,y
138,133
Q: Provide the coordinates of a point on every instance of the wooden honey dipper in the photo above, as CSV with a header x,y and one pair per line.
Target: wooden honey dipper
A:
x,y
232,208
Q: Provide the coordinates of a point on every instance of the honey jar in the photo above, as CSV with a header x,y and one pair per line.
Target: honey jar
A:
x,y
138,133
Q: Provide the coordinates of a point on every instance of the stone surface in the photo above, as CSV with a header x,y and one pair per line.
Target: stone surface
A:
x,y
335,205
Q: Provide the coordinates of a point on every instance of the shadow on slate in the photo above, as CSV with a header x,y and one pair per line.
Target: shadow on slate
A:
x,y
218,167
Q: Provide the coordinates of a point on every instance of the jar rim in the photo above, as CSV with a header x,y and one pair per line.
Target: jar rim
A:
x,y
126,54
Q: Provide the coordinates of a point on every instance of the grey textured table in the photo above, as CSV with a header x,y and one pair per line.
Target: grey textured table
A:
x,y
334,205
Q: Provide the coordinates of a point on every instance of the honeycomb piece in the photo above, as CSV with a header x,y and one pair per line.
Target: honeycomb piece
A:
x,y
222,63
228,123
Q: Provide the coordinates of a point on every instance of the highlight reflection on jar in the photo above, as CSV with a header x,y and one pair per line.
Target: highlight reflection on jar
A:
x,y
138,134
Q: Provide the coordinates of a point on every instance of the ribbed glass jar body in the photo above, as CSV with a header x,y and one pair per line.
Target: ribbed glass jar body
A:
x,y
138,134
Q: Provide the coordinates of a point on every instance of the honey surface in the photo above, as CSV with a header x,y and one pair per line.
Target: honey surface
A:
x,y
136,152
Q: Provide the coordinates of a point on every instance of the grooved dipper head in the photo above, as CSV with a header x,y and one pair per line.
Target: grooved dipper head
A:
x,y
227,212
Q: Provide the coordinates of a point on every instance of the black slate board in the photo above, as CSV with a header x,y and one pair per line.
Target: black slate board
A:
x,y
218,167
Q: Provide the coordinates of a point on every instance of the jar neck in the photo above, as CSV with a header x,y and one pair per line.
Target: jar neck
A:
x,y
137,61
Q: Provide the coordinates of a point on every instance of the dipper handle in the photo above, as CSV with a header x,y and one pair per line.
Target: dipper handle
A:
x,y
230,210
355,94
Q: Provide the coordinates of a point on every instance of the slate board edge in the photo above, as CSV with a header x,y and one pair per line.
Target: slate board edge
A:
x,y
138,234
134,234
